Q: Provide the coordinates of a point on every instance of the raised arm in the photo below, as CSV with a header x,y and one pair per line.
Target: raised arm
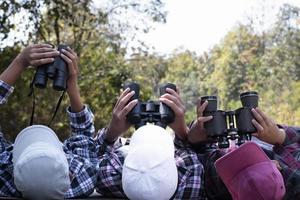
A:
x,y
34,55
173,99
118,124
80,116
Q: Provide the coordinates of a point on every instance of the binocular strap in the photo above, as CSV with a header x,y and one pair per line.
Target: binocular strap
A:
x,y
33,104
57,106
31,92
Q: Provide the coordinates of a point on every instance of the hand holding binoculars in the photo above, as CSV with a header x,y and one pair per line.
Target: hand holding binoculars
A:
x,y
57,71
236,124
150,111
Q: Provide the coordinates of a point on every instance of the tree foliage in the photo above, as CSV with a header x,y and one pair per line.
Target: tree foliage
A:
x,y
96,34
267,62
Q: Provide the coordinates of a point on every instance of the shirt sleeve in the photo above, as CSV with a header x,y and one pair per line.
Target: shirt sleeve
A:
x,y
190,172
110,167
103,145
7,186
289,151
4,144
180,144
5,91
81,154
292,134
81,123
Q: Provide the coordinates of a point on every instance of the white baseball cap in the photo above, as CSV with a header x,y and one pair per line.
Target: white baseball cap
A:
x,y
41,169
149,170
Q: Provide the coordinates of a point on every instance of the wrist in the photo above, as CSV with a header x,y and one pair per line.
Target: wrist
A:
x,y
21,61
75,99
280,137
72,88
181,132
13,72
110,135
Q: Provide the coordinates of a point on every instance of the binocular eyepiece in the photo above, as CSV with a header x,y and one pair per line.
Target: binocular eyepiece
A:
x,y
57,71
233,125
150,111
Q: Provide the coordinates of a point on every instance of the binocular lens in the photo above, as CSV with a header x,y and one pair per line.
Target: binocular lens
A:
x,y
249,99
51,69
60,79
163,87
59,84
40,78
166,113
212,103
133,87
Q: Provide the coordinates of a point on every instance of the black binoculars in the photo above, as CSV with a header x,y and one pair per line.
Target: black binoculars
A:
x,y
151,111
57,71
232,125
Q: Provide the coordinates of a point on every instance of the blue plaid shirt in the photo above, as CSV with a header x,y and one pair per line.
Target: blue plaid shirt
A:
x,y
190,170
80,151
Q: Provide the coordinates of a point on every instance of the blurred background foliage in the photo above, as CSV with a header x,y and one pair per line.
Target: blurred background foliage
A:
x,y
245,59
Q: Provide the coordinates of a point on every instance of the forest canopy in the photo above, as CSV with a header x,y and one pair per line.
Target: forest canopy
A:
x,y
267,62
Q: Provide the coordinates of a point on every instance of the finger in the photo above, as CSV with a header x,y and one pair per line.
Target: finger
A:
x,y
71,69
201,108
73,56
258,127
262,114
123,101
42,50
255,134
258,117
175,93
128,107
42,46
277,164
69,54
173,98
177,90
126,91
204,119
177,110
49,54
39,62
67,60
71,50
201,120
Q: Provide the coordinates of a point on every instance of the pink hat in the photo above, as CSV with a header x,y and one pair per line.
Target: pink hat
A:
x,y
249,174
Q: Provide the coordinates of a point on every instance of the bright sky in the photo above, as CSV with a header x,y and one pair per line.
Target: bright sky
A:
x,y
199,24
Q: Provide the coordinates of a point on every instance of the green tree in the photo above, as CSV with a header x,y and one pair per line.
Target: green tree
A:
x,y
234,64
98,35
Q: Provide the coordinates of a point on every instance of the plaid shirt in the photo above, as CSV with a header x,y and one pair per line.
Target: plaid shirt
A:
x,y
190,170
79,150
287,154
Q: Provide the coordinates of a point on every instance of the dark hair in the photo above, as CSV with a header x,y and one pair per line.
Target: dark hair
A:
x,y
214,187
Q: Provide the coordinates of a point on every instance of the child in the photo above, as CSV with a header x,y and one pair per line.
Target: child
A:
x,y
81,177
285,151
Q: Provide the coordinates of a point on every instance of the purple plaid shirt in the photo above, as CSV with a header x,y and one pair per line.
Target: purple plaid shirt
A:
x,y
80,151
190,170
287,154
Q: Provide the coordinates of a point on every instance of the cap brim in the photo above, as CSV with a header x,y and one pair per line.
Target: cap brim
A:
x,y
239,159
33,134
149,172
151,135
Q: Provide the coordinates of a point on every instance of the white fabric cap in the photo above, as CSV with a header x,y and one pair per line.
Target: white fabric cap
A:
x,y
41,169
149,170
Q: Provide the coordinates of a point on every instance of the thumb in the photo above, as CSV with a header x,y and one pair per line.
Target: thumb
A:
x,y
204,119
